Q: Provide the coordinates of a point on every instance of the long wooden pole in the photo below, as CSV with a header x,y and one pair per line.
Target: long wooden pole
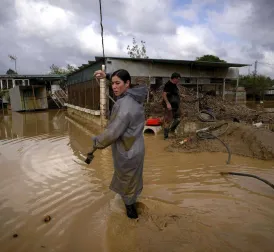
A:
x,y
103,100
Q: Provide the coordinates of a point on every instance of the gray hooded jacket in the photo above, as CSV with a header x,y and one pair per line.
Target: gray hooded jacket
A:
x,y
125,134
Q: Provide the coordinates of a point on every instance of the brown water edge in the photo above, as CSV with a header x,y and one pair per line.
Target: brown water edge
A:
x,y
186,204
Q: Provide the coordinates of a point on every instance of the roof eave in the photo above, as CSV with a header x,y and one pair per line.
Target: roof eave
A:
x,y
183,62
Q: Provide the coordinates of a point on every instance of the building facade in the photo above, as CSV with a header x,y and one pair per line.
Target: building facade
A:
x,y
51,83
84,90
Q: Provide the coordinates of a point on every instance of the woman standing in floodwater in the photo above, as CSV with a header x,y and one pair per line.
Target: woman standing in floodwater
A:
x,y
125,135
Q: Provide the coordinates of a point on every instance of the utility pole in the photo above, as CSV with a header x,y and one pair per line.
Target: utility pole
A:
x,y
14,58
255,68
255,73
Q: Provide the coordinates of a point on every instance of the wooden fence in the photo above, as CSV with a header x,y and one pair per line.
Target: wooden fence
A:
x,y
85,94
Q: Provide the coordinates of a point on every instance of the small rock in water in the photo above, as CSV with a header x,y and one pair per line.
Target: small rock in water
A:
x,y
47,218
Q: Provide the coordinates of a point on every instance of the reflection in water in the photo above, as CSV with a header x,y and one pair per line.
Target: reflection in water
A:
x,y
6,127
186,204
29,124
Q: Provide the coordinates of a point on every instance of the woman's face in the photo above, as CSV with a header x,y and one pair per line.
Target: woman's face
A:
x,y
119,86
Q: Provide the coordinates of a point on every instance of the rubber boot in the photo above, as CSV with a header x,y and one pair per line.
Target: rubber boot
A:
x,y
174,125
131,211
166,133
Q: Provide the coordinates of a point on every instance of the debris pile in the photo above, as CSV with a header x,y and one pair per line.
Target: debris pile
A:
x,y
228,110
191,106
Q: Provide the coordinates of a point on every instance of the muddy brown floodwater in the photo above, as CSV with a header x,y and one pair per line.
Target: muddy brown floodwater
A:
x,y
186,205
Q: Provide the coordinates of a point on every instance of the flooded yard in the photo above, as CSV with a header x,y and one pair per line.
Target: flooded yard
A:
x,y
186,205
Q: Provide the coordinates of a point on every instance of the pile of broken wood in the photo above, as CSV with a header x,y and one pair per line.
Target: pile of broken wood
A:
x,y
191,106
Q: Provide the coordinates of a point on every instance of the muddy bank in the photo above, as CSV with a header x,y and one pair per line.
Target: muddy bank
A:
x,y
242,139
221,109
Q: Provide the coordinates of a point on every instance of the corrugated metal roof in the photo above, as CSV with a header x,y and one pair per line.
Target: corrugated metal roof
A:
x,y
182,62
84,66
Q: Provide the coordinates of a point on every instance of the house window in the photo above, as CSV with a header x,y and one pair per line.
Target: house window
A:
x,y
157,83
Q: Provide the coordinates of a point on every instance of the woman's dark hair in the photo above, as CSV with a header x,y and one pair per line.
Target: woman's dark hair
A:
x,y
123,75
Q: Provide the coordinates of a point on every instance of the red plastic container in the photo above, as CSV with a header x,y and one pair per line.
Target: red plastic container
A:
x,y
153,122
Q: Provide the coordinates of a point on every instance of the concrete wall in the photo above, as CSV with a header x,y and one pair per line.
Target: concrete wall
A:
x,y
15,99
136,68
21,98
85,117
41,100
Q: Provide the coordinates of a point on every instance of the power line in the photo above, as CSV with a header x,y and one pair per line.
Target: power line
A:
x,y
102,29
265,63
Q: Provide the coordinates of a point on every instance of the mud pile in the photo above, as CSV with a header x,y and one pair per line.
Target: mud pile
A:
x,y
191,106
228,110
242,139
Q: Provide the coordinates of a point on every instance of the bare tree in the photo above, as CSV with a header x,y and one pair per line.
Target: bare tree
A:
x,y
137,52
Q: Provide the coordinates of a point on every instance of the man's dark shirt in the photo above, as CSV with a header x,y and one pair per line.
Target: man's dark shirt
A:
x,y
172,94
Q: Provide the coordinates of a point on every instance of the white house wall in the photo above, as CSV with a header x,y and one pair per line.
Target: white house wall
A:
x,y
136,68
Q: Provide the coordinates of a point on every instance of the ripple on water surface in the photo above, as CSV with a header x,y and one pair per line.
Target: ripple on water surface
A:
x,y
185,199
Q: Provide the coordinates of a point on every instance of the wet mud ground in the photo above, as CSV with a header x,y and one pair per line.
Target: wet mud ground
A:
x,y
186,205
241,139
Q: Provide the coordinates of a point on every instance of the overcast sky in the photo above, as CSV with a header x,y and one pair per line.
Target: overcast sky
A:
x,y
61,32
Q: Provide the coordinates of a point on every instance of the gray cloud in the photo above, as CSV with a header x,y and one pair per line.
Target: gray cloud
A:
x,y
137,16
253,52
250,23
251,20
221,52
7,11
261,23
262,15
72,34
37,43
